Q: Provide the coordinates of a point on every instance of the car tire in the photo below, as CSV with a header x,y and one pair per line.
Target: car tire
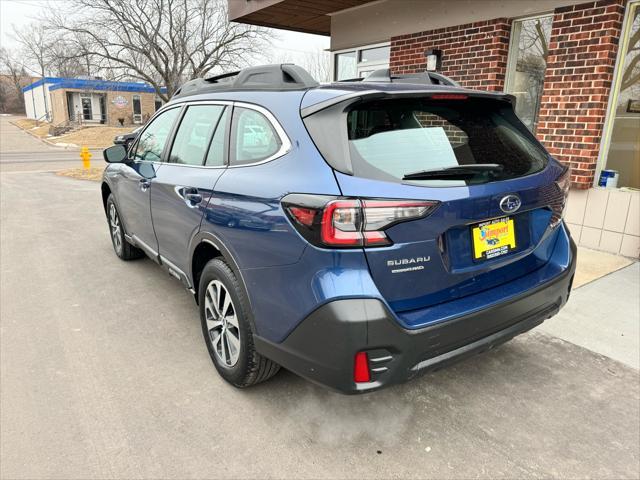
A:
x,y
124,250
226,327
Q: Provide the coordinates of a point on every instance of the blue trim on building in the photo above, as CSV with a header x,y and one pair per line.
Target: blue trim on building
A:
x,y
86,84
37,83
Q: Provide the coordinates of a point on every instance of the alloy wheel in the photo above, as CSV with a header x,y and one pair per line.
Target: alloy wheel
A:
x,y
114,223
222,323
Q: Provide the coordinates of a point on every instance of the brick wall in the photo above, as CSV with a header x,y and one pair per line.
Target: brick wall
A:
x,y
582,54
474,54
147,106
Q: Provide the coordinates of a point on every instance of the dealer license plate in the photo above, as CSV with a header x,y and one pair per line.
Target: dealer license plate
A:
x,y
493,238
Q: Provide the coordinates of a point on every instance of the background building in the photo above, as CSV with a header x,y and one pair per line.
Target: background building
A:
x,y
90,101
574,67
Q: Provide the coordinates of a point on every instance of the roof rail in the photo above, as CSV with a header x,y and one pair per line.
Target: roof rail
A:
x,y
285,76
384,76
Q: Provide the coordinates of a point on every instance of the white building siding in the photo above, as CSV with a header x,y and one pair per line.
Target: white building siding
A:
x,y
38,103
34,102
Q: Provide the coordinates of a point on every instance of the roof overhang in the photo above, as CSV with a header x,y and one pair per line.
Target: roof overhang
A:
x,y
308,16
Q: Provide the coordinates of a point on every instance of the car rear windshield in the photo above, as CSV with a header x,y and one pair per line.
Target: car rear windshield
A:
x,y
392,139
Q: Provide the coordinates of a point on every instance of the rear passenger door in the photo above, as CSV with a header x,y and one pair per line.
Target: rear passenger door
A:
x,y
183,186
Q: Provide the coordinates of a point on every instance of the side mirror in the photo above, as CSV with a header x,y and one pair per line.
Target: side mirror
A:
x,y
115,154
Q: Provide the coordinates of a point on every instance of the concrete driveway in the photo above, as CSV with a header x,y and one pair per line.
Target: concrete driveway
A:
x,y
104,374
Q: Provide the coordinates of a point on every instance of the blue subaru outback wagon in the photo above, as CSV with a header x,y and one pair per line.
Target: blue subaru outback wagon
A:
x,y
357,233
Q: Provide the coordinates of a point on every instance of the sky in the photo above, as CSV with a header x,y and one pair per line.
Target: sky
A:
x,y
22,12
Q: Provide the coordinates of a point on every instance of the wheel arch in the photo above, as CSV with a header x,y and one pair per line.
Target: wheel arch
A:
x,y
106,191
206,246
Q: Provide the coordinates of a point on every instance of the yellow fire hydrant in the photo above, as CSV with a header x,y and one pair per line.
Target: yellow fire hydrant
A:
x,y
85,155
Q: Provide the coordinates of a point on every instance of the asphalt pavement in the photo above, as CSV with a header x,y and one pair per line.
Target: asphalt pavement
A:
x,y
104,374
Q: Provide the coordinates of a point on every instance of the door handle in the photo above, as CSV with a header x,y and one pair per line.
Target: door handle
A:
x,y
144,184
192,197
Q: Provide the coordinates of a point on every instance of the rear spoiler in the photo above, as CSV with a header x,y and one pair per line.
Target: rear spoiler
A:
x,y
354,97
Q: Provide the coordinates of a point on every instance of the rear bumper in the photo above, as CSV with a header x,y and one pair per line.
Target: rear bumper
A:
x,y
322,348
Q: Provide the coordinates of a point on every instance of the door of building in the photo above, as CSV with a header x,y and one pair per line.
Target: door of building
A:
x,y
87,111
103,109
70,113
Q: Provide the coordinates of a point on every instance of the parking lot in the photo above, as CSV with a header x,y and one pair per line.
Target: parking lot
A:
x,y
104,373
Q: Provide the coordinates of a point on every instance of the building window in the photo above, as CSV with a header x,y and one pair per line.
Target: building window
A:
x,y
137,109
346,66
621,145
158,103
360,62
377,54
527,64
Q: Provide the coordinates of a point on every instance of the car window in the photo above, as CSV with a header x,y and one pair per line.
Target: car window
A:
x,y
393,138
195,131
154,137
215,156
253,137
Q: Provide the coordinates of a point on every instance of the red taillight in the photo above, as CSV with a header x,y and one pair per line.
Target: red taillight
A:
x,y
361,372
362,222
351,222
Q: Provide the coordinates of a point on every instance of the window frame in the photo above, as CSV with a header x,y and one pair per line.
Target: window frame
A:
x,y
359,65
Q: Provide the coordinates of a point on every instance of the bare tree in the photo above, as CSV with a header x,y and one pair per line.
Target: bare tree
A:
x,y
317,63
35,42
64,59
15,77
161,42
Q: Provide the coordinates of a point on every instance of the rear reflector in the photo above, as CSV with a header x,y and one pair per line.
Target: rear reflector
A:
x,y
361,372
303,215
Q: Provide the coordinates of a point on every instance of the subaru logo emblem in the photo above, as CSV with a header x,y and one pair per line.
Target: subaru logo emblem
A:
x,y
510,203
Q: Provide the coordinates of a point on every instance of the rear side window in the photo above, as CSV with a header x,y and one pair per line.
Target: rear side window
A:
x,y
153,139
253,138
393,138
194,134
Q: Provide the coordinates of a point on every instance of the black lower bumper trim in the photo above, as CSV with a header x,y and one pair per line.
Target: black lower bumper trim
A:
x,y
322,348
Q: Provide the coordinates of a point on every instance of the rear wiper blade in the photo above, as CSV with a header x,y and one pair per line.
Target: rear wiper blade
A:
x,y
459,171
